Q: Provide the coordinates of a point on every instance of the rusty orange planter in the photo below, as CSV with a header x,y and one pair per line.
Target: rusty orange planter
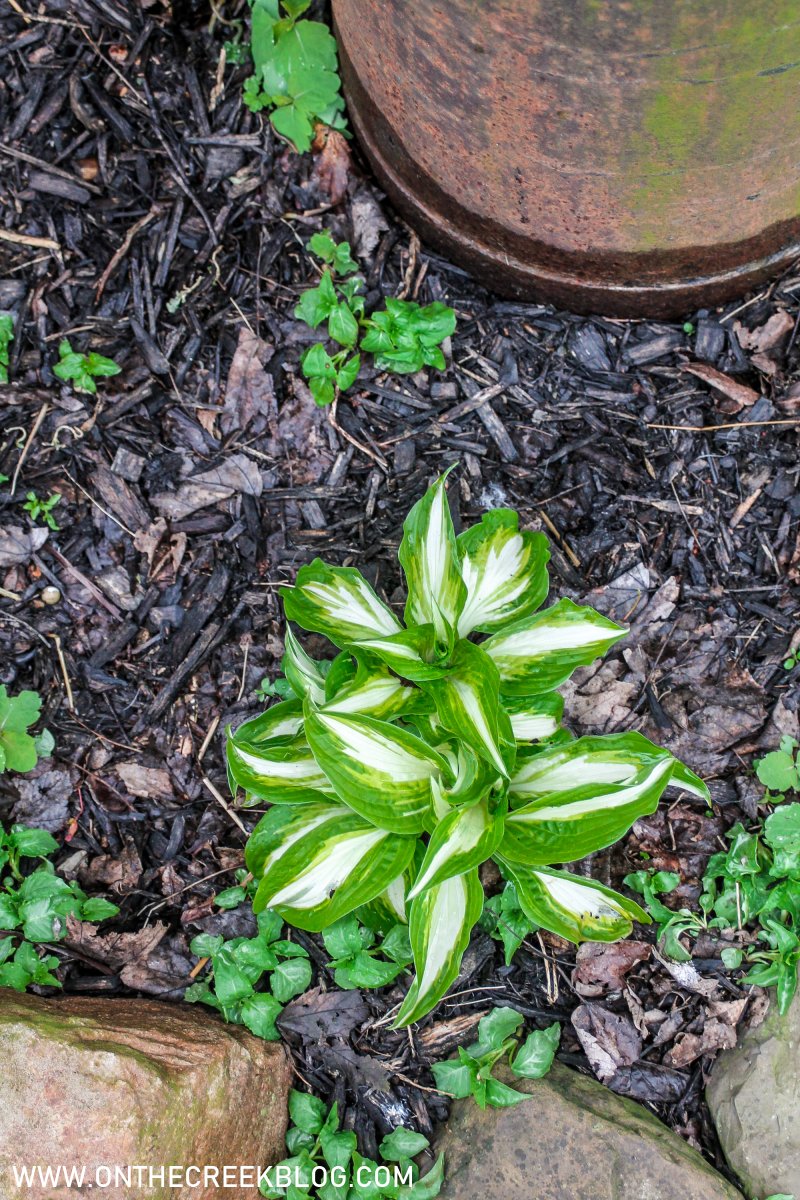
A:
x,y
633,157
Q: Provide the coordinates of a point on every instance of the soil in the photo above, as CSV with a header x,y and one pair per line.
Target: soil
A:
x,y
147,215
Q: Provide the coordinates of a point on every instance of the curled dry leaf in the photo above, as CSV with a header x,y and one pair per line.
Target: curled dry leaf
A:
x,y
737,395
18,545
610,1041
601,967
333,167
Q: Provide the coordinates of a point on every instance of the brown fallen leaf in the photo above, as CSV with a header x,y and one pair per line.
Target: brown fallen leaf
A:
x,y
317,1016
120,873
610,1041
114,950
368,223
715,1035
149,782
249,393
601,967
18,545
738,395
237,473
333,167
766,337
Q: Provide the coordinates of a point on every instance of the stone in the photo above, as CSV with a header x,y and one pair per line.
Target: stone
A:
x,y
754,1097
134,1083
574,1140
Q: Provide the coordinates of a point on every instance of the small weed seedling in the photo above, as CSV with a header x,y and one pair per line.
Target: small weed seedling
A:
x,y
6,338
296,71
19,749
403,338
238,967
324,1162
83,369
357,962
471,1073
504,920
34,908
42,510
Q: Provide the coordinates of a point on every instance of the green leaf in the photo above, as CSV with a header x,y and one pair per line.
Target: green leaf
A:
x,y
322,873
500,1095
453,1077
495,1028
338,602
582,796
292,123
535,1056
17,714
31,843
302,671
540,652
505,572
402,1143
279,773
430,559
348,373
259,1013
462,840
782,833
441,920
306,1112
290,979
412,653
314,307
575,908
378,770
342,326
96,908
467,700
534,718
374,693
778,771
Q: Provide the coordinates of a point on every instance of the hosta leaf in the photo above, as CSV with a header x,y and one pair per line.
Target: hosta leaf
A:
x,y
338,602
429,556
505,572
302,671
589,793
373,692
464,839
381,772
467,699
540,652
534,717
279,773
282,722
281,827
330,870
412,653
576,909
440,923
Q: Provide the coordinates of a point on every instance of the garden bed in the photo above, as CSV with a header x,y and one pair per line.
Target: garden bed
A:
x,y
158,221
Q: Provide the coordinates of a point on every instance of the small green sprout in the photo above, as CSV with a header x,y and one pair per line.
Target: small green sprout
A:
x,y
6,338
42,510
19,749
83,369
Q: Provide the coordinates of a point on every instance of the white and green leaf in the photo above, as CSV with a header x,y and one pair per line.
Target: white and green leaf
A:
x,y
467,699
278,772
430,559
380,771
280,723
281,826
534,718
412,653
331,869
540,652
504,570
303,673
374,693
440,923
577,909
463,839
338,602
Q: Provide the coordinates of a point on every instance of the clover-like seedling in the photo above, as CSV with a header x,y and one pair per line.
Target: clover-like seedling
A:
x,y
42,510
427,746
19,749
83,369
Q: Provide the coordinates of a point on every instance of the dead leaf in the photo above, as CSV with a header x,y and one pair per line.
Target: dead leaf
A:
x,y
18,545
715,1035
738,395
238,473
766,337
43,800
121,873
149,782
601,967
249,393
368,223
317,1016
114,950
333,168
609,1040
687,976
302,437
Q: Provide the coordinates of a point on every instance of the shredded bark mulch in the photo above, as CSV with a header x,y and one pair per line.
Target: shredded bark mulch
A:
x,y
147,215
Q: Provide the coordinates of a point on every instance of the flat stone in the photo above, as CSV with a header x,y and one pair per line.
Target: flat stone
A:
x,y
129,1083
575,1140
754,1097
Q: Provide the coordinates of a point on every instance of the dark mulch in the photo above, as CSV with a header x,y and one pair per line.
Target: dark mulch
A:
x,y
159,222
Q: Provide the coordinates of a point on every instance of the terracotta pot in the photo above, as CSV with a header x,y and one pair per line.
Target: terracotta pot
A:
x,y
636,157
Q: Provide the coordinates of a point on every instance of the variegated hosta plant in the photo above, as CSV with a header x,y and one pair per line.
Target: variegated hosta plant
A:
x,y
424,748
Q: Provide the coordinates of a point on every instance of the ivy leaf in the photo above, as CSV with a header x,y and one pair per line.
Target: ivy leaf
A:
x,y
535,1056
